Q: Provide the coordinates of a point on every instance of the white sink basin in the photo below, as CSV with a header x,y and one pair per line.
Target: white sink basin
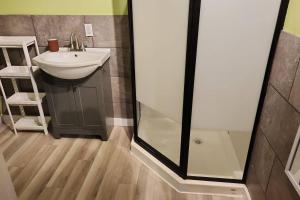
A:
x,y
67,64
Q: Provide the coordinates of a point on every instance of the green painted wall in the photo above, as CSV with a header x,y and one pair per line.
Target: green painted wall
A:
x,y
292,21
106,7
63,7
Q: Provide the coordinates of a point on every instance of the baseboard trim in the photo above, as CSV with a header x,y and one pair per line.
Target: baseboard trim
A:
x,y
112,121
238,191
123,121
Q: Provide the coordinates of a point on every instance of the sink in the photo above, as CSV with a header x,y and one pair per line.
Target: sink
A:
x,y
67,64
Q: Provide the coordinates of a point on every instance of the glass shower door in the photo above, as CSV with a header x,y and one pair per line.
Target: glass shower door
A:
x,y
160,37
234,42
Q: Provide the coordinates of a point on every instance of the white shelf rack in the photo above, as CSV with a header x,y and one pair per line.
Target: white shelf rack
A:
x,y
23,122
24,99
17,72
31,123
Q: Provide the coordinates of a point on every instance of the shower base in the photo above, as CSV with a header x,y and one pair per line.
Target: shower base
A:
x,y
211,154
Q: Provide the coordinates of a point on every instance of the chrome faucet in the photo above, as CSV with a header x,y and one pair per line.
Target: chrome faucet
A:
x,y
76,47
82,47
72,42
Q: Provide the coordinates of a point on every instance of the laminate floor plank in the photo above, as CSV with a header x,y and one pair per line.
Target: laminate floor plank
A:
x,y
64,169
49,194
44,168
96,173
144,188
14,171
22,158
92,148
74,182
4,133
29,172
113,175
16,144
39,182
19,151
125,192
8,141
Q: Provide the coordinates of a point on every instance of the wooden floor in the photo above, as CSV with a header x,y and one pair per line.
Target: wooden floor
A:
x,y
43,168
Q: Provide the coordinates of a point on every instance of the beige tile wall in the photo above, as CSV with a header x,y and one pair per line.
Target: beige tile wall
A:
x,y
109,32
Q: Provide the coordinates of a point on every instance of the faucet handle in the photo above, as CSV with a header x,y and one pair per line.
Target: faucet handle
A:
x,y
82,47
72,42
76,44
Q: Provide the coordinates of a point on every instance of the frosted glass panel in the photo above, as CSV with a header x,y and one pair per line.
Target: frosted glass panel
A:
x,y
234,41
160,35
161,132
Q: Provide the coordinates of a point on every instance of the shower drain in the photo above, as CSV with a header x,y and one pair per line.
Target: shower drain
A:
x,y
197,141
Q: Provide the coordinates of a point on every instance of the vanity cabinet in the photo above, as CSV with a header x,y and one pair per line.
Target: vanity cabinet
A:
x,y
81,106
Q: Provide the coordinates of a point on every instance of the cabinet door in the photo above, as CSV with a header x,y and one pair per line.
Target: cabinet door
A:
x,y
90,104
61,100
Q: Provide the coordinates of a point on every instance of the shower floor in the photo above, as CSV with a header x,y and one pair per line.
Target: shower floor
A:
x,y
211,152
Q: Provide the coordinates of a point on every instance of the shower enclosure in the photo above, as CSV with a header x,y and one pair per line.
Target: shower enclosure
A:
x,y
199,71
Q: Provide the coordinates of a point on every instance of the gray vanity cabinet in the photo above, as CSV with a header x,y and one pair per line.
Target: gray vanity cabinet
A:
x,y
62,104
90,100
82,106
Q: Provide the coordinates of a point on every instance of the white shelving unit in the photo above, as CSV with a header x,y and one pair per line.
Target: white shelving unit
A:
x,y
35,123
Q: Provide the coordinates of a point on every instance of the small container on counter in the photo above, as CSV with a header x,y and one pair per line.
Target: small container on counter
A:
x,y
53,45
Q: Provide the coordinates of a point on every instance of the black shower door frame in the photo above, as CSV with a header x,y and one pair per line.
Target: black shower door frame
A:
x,y
190,65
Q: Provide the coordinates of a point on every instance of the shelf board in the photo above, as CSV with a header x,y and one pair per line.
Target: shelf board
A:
x,y
30,123
24,98
17,71
16,41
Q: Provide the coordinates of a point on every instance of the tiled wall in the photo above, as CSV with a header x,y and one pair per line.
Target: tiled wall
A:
x,y
109,32
278,125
